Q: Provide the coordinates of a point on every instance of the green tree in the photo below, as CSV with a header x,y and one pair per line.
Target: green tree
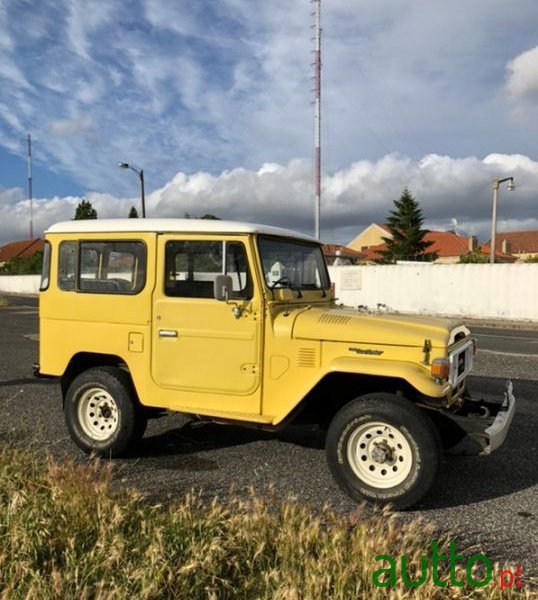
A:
x,y
405,225
207,216
85,210
133,213
532,259
476,256
30,265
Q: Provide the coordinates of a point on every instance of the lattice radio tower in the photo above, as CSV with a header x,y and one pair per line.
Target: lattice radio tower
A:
x,y
30,195
317,114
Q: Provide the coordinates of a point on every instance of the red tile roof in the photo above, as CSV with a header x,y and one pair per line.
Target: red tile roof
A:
x,y
21,249
445,243
521,242
332,249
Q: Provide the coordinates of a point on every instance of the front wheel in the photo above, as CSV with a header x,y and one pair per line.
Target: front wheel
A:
x,y
102,413
381,448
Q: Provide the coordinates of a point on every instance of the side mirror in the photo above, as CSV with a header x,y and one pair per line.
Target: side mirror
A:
x,y
223,287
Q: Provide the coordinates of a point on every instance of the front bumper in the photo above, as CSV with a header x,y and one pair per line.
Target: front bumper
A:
x,y
485,422
496,433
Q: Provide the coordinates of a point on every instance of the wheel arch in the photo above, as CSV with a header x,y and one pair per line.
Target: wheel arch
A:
x,y
82,361
336,389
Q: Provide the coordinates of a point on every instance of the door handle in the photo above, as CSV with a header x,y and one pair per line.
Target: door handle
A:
x,y
168,333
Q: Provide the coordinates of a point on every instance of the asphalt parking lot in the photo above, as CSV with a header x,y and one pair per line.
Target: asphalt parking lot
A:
x,y
489,503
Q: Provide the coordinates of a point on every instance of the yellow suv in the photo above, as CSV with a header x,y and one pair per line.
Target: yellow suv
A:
x,y
237,323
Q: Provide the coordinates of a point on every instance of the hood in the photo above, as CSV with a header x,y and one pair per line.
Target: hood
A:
x,y
349,325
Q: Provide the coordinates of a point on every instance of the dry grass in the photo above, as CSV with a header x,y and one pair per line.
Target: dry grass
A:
x,y
63,534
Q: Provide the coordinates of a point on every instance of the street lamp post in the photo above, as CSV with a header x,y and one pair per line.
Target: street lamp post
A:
x,y
140,173
496,185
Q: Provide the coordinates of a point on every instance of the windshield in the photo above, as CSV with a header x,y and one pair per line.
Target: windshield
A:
x,y
294,264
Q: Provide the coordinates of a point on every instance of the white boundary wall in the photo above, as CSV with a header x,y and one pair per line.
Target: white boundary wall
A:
x,y
500,291
20,284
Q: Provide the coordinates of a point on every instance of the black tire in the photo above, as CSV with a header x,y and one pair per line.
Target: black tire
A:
x,y
102,412
381,448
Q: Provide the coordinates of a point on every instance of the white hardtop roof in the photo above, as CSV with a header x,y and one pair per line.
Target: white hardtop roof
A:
x,y
171,226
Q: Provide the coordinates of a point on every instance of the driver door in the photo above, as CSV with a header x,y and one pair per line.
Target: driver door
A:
x,y
199,344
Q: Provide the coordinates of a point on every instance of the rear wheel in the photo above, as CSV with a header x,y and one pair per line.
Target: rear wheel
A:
x,y
102,413
381,448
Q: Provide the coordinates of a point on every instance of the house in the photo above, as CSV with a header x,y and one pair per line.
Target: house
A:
x,y
521,244
448,245
371,236
20,249
342,255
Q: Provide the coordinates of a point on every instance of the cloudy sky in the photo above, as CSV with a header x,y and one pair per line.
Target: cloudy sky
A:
x,y
212,98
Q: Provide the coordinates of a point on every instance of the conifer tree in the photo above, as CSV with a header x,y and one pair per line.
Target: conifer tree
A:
x,y
405,225
85,210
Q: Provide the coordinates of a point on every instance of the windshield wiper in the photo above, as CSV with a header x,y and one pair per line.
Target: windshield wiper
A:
x,y
286,282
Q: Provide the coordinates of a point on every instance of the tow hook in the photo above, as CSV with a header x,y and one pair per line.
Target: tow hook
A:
x,y
483,412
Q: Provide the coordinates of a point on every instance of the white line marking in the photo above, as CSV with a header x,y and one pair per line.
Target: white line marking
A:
x,y
482,351
508,337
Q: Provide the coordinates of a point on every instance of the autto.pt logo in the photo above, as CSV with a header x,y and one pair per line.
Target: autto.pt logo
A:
x,y
476,570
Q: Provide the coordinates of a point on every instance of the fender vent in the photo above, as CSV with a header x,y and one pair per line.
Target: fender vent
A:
x,y
307,357
332,319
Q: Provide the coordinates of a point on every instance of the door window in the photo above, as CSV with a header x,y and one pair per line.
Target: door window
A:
x,y
192,268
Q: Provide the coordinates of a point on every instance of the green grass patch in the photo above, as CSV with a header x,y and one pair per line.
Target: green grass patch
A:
x,y
3,301
65,534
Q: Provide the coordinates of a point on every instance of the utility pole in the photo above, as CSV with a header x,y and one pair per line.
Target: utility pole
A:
x,y
317,115
496,184
30,187
140,173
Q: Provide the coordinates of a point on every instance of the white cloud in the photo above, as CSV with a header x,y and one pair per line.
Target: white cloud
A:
x,y
66,127
84,18
10,197
522,78
212,86
352,198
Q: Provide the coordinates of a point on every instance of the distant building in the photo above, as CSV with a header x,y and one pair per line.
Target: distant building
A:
x,y
521,244
21,249
448,245
371,236
342,255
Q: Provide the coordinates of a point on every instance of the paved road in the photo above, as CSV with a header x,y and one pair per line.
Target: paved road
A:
x,y
510,342
492,502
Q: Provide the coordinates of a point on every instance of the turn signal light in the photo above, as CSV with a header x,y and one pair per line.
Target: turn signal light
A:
x,y
440,368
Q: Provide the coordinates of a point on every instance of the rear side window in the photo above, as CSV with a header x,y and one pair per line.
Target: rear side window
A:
x,y
116,267
67,261
192,268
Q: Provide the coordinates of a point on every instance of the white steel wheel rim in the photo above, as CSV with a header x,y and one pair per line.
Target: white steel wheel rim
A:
x,y
379,455
98,414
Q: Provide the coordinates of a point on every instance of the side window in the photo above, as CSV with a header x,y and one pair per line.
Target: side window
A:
x,y
192,267
112,267
66,265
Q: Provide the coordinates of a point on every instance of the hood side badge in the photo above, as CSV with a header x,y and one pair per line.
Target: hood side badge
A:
x,y
367,351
